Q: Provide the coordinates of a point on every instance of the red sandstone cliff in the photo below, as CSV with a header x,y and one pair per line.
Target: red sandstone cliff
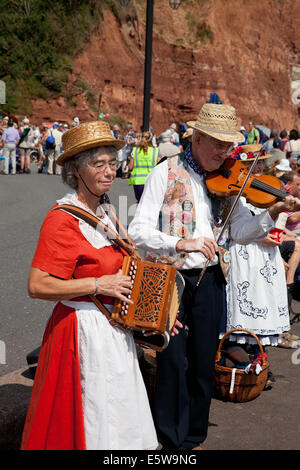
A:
x,y
247,51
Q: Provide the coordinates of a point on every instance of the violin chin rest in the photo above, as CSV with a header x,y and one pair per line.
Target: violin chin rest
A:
x,y
225,172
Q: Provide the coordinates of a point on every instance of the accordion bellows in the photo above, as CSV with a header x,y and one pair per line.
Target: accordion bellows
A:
x,y
156,295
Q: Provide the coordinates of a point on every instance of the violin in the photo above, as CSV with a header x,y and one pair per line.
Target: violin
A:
x,y
260,191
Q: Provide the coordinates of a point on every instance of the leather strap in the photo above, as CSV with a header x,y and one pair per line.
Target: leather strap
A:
x,y
127,245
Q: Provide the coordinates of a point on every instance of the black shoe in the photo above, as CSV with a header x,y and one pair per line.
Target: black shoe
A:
x,y
270,381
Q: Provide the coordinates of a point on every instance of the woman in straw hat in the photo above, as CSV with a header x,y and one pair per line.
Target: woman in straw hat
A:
x,y
256,289
88,391
176,222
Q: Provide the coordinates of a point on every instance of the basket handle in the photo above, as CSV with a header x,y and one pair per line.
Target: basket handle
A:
x,y
218,357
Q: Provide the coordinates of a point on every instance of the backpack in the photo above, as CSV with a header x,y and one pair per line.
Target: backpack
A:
x,y
24,134
50,142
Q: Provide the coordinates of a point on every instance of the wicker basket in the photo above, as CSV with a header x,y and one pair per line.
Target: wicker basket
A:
x,y
234,384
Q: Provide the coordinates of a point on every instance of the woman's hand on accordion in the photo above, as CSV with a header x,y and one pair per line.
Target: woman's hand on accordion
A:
x,y
115,285
207,246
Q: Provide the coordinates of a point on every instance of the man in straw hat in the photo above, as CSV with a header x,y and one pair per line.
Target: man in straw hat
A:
x,y
176,222
88,392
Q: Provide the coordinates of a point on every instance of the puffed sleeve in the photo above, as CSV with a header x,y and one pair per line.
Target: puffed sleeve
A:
x,y
57,250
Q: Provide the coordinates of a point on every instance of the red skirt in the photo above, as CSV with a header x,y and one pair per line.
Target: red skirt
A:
x,y
53,423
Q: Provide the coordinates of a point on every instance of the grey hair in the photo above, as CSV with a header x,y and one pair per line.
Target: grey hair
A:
x,y
80,160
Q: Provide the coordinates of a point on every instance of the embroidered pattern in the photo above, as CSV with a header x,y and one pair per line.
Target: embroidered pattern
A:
x,y
283,311
243,252
246,306
268,272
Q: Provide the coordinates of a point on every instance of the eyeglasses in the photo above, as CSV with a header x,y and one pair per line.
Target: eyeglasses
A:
x,y
100,167
219,146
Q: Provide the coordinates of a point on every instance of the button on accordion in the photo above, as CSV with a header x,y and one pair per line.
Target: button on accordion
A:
x,y
156,294
156,287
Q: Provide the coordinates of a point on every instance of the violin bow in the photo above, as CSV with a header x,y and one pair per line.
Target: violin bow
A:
x,y
230,212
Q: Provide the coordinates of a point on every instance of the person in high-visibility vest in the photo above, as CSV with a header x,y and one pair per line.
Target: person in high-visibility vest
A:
x,y
144,157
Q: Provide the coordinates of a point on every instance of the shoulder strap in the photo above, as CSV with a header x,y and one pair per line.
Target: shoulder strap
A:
x,y
94,221
126,244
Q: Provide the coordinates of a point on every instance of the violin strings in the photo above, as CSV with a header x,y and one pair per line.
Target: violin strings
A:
x,y
267,188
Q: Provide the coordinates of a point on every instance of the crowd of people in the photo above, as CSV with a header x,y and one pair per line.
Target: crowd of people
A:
x,y
250,281
20,145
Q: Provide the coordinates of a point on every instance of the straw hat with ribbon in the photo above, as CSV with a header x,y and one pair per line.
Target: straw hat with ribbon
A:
x,y
218,121
247,153
86,136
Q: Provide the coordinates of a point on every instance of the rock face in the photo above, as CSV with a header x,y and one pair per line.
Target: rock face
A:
x,y
247,52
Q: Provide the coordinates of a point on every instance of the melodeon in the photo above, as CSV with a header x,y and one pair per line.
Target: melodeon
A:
x,y
156,294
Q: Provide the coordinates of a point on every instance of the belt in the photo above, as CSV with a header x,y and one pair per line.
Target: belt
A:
x,y
196,271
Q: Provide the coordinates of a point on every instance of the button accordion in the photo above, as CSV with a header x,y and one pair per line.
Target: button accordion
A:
x,y
156,294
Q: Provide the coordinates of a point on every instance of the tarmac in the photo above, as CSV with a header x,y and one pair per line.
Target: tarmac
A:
x,y
269,422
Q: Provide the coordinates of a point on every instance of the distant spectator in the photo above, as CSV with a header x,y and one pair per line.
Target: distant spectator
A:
x,y
276,155
54,150
253,135
5,122
65,128
292,147
245,134
182,128
175,135
284,138
268,145
76,122
10,137
26,144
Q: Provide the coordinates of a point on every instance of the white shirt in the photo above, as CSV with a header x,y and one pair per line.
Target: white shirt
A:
x,y
144,226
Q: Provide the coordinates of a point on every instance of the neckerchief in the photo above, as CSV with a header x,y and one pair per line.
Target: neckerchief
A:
x,y
191,162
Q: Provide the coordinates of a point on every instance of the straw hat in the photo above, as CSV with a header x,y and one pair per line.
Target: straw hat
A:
x,y
187,133
247,153
86,136
218,121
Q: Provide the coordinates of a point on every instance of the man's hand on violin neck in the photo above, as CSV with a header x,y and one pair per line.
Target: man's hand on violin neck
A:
x,y
289,204
204,245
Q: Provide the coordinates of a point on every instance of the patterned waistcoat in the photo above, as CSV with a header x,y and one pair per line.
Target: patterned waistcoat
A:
x,y
177,215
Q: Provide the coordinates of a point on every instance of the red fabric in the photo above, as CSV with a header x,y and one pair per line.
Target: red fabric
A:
x,y
64,252
55,419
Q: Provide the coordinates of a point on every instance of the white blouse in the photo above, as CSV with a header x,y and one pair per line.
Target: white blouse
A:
x,y
144,227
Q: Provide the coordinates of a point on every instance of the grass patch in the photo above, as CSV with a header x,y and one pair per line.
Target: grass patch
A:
x,y
38,43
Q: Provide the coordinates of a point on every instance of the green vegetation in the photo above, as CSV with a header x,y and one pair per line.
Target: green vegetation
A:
x,y
37,44
201,31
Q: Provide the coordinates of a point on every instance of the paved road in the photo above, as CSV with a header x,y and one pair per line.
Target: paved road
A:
x,y
24,201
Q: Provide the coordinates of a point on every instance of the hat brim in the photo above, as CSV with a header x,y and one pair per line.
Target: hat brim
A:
x,y
262,157
224,136
168,149
117,143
